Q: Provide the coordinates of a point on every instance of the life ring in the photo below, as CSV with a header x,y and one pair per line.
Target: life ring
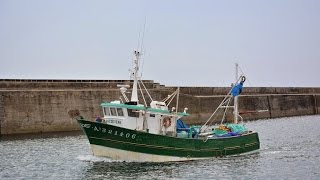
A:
x,y
166,122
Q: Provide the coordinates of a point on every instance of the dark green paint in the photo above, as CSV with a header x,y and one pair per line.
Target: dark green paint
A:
x,y
142,142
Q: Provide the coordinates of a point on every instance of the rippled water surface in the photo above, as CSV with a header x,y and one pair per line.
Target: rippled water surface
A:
x,y
290,149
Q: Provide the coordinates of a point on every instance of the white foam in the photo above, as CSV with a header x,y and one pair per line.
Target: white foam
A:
x,y
272,152
92,158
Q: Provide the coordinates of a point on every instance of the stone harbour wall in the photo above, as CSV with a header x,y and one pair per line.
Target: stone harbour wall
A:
x,y
34,106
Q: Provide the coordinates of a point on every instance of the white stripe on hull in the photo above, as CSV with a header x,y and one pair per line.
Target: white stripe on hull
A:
x,y
118,154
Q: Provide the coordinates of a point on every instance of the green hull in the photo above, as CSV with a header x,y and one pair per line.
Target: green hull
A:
x,y
104,135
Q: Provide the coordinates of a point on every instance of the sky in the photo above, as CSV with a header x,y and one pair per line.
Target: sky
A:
x,y
185,42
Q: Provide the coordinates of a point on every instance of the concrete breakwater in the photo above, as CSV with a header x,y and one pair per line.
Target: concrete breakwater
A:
x,y
31,106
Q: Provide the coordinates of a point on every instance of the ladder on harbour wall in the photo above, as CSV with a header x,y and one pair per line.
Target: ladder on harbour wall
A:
x,y
1,113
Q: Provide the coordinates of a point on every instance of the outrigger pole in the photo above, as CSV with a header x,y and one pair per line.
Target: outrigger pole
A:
x,y
227,100
236,111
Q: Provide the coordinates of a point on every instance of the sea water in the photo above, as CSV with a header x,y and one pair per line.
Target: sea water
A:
x,y
290,149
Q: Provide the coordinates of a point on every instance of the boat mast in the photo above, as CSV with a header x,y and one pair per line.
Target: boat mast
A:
x,y
236,97
136,58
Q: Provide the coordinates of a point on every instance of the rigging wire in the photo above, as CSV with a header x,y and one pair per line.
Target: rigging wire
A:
x,y
205,127
226,110
265,104
248,81
142,48
145,102
145,88
173,95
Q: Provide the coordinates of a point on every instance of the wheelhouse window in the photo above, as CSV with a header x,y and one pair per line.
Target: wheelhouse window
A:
x,y
152,115
113,111
133,113
120,111
106,111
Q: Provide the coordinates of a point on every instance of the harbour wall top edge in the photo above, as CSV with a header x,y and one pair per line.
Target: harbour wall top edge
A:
x,y
69,84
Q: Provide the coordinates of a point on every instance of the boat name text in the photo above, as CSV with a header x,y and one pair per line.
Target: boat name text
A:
x,y
109,131
113,121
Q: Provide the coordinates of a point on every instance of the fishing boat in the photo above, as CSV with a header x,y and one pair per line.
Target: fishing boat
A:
x,y
155,132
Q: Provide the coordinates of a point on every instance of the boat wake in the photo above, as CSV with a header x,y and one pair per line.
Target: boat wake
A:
x,y
272,152
91,158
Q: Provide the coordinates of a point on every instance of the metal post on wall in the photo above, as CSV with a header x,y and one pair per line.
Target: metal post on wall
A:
x,y
269,107
1,113
315,105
